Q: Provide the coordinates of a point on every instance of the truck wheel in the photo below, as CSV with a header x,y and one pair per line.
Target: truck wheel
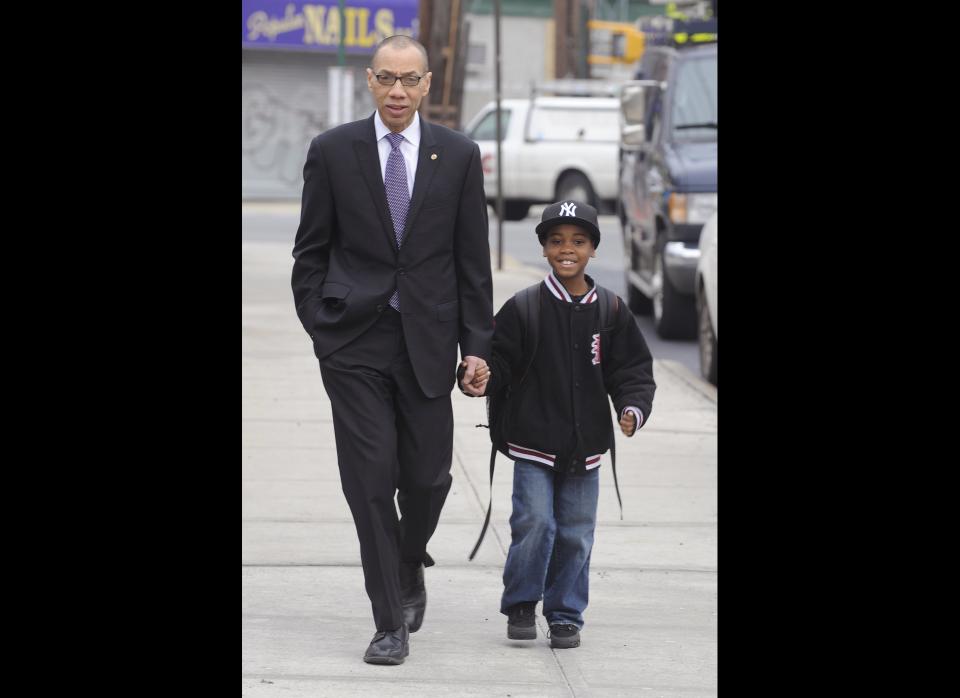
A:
x,y
637,302
674,315
574,185
515,210
706,339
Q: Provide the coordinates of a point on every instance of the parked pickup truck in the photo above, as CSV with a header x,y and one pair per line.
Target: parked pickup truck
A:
x,y
553,148
668,181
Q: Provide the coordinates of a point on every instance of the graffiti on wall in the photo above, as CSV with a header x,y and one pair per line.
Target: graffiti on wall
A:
x,y
276,133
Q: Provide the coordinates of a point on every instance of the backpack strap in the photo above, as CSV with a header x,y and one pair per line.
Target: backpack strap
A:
x,y
609,310
609,307
613,463
528,306
486,521
528,309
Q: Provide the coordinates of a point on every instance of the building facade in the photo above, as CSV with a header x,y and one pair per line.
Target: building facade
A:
x,y
298,82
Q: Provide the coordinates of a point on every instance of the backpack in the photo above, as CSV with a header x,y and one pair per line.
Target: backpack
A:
x,y
498,406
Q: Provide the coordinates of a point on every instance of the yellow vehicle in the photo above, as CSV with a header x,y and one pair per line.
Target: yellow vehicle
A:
x,y
622,42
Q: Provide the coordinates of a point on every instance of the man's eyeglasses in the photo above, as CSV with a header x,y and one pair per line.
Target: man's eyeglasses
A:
x,y
388,80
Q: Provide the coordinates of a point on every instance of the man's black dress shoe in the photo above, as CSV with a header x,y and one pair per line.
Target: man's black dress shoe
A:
x,y
413,594
388,647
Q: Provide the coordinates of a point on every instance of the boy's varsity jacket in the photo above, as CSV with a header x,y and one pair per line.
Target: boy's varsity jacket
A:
x,y
560,417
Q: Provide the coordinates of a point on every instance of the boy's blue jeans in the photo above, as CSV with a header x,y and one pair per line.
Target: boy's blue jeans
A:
x,y
552,536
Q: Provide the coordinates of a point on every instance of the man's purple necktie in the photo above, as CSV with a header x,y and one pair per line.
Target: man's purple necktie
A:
x,y
395,182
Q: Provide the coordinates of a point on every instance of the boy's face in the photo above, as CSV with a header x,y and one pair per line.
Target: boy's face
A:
x,y
568,248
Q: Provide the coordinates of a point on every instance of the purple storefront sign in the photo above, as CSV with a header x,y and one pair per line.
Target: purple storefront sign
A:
x,y
316,26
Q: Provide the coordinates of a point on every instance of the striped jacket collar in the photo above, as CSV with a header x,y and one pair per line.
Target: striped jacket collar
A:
x,y
557,289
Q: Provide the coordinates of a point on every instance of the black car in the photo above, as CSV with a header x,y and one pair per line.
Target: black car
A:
x,y
668,180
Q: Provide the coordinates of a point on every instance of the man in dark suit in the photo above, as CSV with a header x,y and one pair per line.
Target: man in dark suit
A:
x,y
391,272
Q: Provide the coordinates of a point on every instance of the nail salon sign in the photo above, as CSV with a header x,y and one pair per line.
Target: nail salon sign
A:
x,y
316,26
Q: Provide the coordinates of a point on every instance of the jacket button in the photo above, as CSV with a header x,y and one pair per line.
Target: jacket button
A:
x,y
572,470
576,346
401,271
379,308
576,308
577,384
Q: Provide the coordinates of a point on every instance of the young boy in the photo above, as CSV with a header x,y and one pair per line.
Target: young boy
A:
x,y
559,424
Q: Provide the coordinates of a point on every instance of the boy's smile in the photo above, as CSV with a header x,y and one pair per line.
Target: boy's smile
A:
x,y
568,248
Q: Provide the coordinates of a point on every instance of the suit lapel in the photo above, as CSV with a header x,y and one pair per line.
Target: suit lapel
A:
x,y
426,169
369,158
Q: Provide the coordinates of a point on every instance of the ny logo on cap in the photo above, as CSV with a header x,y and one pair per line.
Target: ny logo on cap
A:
x,y
568,209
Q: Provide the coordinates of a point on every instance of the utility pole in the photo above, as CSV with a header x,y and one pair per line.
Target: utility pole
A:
x,y
496,43
341,54
445,36
560,21
570,51
340,82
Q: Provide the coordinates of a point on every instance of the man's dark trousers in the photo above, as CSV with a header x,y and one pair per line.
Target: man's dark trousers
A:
x,y
390,437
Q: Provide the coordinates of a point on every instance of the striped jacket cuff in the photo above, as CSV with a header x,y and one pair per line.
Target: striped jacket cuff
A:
x,y
637,414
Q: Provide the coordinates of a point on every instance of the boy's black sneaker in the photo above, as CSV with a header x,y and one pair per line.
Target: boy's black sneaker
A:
x,y
564,635
521,621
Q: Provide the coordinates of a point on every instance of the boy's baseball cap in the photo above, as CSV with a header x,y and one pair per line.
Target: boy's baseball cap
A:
x,y
573,213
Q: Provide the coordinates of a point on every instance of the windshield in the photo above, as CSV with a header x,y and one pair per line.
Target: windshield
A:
x,y
486,130
695,100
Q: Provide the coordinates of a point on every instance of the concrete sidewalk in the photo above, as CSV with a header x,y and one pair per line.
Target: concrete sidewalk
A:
x,y
650,628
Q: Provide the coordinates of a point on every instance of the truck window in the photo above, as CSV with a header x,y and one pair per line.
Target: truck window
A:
x,y
694,113
590,125
486,130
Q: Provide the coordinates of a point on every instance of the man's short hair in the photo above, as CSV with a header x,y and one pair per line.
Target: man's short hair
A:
x,y
401,41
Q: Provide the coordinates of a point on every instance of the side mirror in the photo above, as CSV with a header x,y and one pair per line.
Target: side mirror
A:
x,y
634,96
632,135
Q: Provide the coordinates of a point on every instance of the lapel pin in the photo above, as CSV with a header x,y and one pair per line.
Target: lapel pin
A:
x,y
433,157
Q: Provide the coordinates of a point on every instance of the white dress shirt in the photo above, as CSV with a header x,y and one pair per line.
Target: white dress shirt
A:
x,y
409,147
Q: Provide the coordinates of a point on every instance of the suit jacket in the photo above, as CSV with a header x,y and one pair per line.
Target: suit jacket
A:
x,y
346,263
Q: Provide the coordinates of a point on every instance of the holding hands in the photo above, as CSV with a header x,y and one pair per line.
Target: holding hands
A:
x,y
475,375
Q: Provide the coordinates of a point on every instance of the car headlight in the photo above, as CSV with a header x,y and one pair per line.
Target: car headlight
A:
x,y
692,208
